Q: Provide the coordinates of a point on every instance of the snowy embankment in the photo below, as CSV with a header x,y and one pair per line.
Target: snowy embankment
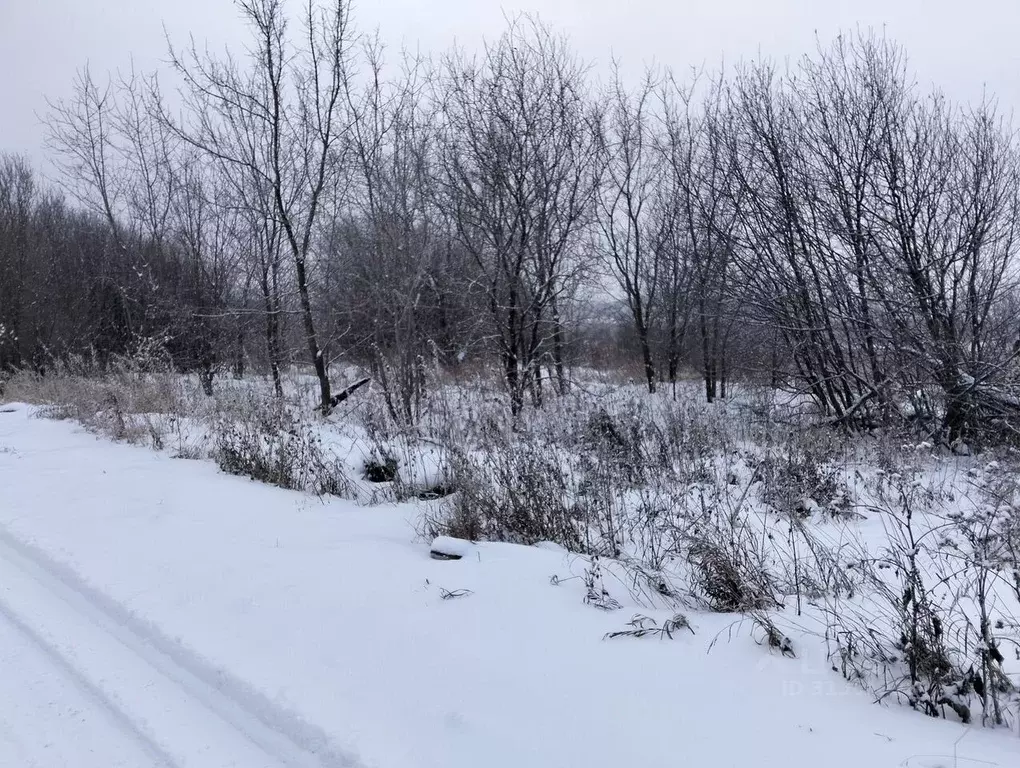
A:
x,y
157,612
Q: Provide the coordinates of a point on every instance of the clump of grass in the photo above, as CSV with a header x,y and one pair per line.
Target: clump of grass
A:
x,y
646,626
730,579
772,637
595,592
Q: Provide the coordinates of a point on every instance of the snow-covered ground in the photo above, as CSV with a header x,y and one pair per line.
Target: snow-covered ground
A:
x,y
154,611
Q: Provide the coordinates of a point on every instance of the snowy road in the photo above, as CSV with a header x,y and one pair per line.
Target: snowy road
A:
x,y
51,717
95,688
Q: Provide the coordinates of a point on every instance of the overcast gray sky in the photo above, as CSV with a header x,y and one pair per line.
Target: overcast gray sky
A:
x,y
963,45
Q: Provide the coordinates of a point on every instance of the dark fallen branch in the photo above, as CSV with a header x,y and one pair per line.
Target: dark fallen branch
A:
x,y
850,413
339,397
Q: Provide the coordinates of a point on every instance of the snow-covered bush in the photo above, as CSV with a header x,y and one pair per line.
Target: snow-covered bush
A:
x,y
273,445
936,609
798,482
512,492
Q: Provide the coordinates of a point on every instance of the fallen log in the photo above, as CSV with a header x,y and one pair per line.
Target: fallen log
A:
x,y
339,397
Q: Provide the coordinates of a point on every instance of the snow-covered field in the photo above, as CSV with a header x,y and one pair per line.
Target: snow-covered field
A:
x,y
154,611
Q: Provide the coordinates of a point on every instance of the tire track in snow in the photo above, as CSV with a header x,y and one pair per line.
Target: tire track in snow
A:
x,y
278,734
93,693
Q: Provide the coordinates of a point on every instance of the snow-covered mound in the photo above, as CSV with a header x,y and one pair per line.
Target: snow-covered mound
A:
x,y
449,548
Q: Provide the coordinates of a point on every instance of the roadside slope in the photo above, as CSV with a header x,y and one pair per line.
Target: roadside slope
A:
x,y
326,623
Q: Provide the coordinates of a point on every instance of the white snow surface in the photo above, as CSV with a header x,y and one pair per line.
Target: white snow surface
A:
x,y
154,612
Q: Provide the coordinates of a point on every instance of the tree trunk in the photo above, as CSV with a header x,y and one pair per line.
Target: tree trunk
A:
x,y
272,332
311,339
646,358
513,381
239,351
205,376
708,363
561,375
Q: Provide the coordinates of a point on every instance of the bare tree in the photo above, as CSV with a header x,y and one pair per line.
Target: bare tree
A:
x,y
205,254
81,134
393,220
294,87
877,229
702,176
518,171
785,238
846,89
634,207
948,196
